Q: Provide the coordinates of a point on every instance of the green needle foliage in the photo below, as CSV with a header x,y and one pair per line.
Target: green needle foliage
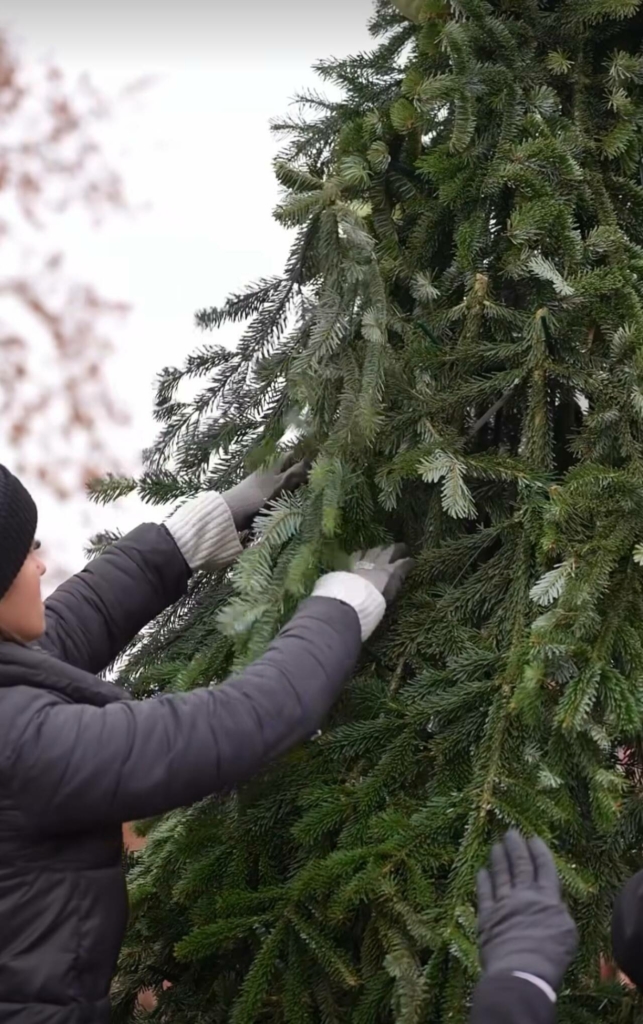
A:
x,y
457,341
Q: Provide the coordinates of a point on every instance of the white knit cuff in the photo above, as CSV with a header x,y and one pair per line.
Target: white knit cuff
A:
x,y
205,532
354,590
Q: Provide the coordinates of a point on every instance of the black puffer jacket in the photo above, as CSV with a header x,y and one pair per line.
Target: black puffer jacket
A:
x,y
78,758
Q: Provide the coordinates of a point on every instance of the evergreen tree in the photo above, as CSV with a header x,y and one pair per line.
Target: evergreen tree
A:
x,y
457,341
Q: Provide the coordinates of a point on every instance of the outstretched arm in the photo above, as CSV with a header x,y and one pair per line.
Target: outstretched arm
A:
x,y
94,615
71,766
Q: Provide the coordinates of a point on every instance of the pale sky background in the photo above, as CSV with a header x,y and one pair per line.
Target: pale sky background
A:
x,y
197,148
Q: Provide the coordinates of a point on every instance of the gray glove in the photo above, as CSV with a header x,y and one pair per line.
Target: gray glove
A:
x,y
247,499
384,568
373,580
523,924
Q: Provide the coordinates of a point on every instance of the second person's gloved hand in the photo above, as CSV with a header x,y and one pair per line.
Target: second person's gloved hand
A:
x,y
524,925
374,580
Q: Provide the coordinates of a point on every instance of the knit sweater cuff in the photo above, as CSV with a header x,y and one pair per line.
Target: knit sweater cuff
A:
x,y
205,533
354,590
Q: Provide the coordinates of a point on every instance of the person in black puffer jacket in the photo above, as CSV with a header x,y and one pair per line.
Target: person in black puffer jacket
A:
x,y
78,757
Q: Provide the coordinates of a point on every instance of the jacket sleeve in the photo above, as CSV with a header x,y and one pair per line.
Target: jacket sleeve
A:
x,y
78,767
506,999
94,615
627,929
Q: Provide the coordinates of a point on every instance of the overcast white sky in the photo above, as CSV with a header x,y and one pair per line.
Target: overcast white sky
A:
x,y
198,150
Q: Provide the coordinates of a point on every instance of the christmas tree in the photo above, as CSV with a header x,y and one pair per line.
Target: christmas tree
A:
x,y
457,342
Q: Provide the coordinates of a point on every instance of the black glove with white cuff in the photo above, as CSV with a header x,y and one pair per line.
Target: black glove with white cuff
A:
x,y
524,927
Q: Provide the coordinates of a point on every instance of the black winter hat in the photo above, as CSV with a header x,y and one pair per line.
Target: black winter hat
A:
x,y
18,522
627,930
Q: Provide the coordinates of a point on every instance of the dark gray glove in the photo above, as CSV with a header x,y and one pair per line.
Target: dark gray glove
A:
x,y
246,499
385,568
523,923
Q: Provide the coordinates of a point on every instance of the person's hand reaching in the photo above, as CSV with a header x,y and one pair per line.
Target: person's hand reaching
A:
x,y
524,926
246,499
374,580
385,568
207,527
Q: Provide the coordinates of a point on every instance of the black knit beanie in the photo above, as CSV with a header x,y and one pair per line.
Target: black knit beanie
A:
x,y
18,522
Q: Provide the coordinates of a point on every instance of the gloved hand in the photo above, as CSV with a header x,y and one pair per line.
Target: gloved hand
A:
x,y
246,499
523,924
206,529
375,579
385,568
